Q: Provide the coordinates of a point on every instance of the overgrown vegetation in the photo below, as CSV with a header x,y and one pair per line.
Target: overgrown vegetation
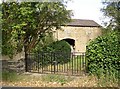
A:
x,y
103,56
9,76
56,78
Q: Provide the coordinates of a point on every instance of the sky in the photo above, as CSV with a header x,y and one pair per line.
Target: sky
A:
x,y
86,9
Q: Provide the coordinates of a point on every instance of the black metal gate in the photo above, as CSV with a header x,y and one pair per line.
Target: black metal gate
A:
x,y
57,63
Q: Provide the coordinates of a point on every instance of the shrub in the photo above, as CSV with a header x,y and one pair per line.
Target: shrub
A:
x,y
58,46
58,51
103,55
61,50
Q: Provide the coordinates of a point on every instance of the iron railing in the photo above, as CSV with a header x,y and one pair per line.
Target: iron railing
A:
x,y
57,63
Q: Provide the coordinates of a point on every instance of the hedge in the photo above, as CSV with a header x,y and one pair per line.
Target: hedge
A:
x,y
103,55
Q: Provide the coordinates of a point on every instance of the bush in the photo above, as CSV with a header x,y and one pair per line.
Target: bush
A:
x,y
103,55
58,46
58,51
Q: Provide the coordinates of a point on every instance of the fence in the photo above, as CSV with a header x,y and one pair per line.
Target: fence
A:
x,y
57,63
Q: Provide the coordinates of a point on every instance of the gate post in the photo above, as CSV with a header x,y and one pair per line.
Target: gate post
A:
x,y
26,65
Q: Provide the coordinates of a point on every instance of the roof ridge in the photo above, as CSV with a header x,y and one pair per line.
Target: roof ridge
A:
x,y
83,22
83,19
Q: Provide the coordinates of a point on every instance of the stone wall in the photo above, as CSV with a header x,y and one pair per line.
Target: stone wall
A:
x,y
81,35
13,65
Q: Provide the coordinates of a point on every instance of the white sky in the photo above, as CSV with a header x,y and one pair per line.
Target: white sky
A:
x,y
86,9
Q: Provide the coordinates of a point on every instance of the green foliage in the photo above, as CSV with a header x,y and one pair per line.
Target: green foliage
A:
x,y
59,51
62,51
58,46
23,23
103,55
112,11
107,80
45,40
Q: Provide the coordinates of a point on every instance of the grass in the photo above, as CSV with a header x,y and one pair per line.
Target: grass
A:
x,y
9,76
56,78
52,80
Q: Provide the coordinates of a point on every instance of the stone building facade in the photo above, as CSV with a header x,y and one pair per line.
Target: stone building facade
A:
x,y
79,33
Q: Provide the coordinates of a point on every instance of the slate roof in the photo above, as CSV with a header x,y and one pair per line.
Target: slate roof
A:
x,y
83,23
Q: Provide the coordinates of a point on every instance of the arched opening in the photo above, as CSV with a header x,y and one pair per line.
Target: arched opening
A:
x,y
71,42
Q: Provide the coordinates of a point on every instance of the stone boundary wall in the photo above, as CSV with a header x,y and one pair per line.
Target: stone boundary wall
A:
x,y
13,65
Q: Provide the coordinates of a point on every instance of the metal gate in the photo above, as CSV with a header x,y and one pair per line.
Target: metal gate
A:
x,y
57,63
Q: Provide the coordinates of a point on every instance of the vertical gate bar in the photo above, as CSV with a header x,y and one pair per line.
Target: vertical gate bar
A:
x,y
57,66
30,61
54,63
62,67
72,64
51,61
64,60
31,68
67,62
77,62
26,62
38,61
80,62
85,63
33,64
26,59
35,61
44,55
42,61
48,61
70,68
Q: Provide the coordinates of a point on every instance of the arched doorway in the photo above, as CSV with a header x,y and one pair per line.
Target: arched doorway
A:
x,y
71,42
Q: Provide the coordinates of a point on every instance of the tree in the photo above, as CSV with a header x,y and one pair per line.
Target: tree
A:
x,y
25,23
112,10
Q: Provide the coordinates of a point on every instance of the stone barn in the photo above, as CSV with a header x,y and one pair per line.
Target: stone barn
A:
x,y
78,33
